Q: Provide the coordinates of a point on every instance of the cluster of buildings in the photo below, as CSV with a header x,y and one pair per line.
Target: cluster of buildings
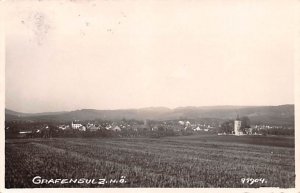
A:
x,y
89,126
181,125
195,127
118,126
260,127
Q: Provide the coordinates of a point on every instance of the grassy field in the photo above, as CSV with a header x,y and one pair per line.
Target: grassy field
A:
x,y
186,161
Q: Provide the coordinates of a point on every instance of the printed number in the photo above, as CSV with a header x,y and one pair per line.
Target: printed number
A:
x,y
251,181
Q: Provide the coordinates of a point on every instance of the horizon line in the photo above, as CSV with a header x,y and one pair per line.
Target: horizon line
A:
x,y
149,107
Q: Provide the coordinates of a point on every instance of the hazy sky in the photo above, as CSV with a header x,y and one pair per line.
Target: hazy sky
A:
x,y
67,55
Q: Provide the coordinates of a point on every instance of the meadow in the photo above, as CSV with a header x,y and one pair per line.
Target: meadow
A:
x,y
183,161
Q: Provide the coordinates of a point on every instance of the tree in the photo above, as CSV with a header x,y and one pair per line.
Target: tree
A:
x,y
245,123
227,127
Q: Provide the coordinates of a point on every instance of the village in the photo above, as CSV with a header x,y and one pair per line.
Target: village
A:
x,y
115,126
130,128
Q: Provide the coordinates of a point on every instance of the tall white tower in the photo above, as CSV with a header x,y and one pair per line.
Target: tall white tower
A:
x,y
237,126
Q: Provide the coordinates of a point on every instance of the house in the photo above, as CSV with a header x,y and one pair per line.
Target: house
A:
x,y
249,131
75,125
116,128
63,127
23,134
187,123
89,125
154,128
181,122
82,128
197,129
108,127
93,128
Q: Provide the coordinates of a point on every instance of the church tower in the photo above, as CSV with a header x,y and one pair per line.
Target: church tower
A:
x,y
237,126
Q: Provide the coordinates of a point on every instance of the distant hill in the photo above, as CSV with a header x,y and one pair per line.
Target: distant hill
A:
x,y
14,113
283,114
19,114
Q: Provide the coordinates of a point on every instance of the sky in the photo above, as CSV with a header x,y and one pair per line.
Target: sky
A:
x,y
67,55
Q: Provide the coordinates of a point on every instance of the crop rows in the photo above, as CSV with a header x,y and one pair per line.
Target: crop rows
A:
x,y
168,162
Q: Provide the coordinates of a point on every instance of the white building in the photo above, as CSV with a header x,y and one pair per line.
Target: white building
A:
x,y
108,127
116,128
181,122
75,125
187,123
237,126
197,129
82,128
63,127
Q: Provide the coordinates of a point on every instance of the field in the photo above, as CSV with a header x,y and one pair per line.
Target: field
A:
x,y
186,161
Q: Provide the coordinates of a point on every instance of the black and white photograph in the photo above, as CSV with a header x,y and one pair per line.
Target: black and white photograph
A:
x,y
149,94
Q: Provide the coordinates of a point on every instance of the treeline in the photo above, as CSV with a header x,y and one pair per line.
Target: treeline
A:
x,y
277,131
53,132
